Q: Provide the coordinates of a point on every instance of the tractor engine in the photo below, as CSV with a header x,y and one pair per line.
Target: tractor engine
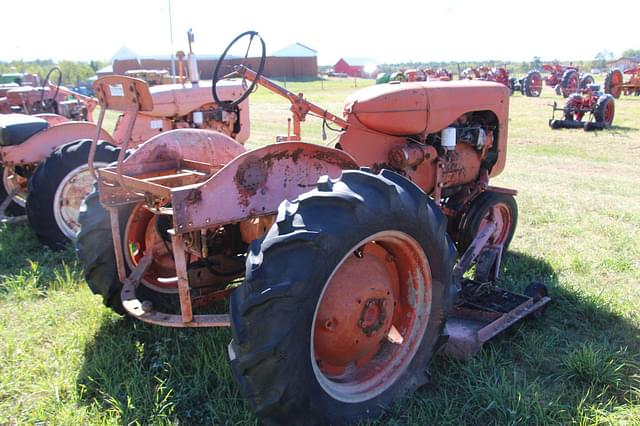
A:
x,y
442,136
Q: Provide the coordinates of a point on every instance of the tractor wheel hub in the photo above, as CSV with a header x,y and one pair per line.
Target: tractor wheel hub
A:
x,y
355,314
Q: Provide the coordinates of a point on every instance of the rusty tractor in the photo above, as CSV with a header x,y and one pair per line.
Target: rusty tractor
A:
x,y
566,79
44,156
48,98
340,262
588,109
615,85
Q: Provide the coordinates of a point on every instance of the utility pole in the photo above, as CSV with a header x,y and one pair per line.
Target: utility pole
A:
x,y
173,60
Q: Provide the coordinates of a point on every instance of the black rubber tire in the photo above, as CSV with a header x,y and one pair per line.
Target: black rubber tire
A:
x,y
513,85
478,208
528,83
601,106
94,249
46,179
272,312
586,80
13,209
608,83
566,78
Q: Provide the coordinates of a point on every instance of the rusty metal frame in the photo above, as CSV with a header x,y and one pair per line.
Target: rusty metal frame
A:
x,y
470,327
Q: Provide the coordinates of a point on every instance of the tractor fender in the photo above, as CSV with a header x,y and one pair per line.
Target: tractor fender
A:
x,y
39,146
255,183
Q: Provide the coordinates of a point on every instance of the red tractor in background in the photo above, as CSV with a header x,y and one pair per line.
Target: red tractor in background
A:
x,y
340,261
530,85
565,79
416,74
615,85
588,109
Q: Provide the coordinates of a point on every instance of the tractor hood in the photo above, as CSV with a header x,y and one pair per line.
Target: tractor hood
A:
x,y
171,100
405,109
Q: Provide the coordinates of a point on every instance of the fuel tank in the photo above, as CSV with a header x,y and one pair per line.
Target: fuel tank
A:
x,y
404,109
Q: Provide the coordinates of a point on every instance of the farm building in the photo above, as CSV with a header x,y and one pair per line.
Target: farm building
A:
x,y
357,67
295,62
624,63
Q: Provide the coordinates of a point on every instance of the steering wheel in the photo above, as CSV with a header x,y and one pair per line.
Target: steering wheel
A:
x,y
230,104
46,104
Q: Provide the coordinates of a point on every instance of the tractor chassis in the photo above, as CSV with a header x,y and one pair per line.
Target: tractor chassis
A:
x,y
206,180
482,311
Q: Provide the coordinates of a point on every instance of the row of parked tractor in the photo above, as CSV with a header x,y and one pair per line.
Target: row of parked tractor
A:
x,y
588,105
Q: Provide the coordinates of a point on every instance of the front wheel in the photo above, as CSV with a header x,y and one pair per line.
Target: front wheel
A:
x,y
605,109
495,206
344,302
58,187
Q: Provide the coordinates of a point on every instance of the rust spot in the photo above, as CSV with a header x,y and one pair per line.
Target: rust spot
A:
x,y
194,197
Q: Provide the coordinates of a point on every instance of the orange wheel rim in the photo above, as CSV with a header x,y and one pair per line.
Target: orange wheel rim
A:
x,y
140,235
371,317
501,215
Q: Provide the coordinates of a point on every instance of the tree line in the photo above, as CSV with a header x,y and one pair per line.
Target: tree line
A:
x,y
73,72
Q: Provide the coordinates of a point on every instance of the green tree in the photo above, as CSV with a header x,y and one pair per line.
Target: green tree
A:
x,y
601,58
631,53
536,63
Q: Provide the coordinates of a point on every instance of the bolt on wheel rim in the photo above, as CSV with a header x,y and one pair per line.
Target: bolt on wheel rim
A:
x,y
371,317
73,189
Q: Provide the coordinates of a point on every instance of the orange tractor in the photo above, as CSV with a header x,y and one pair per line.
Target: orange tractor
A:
x,y
615,85
43,157
345,265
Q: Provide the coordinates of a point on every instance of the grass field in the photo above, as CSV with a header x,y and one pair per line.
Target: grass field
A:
x,y
64,359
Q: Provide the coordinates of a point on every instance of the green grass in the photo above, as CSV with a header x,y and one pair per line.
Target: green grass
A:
x,y
64,359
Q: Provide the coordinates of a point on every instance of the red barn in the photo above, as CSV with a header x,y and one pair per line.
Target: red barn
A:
x,y
357,67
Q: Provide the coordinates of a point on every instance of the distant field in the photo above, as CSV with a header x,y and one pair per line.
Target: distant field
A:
x,y
64,359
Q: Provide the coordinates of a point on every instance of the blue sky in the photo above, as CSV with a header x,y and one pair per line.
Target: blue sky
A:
x,y
446,30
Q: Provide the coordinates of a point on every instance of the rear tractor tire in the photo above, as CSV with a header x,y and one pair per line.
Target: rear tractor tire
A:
x,y
58,187
94,248
533,84
570,83
613,82
344,302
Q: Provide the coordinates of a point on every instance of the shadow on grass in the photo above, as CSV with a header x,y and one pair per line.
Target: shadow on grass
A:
x,y
136,373
561,369
579,363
